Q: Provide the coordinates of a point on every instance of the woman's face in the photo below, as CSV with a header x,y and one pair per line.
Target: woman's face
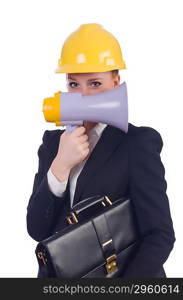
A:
x,y
91,83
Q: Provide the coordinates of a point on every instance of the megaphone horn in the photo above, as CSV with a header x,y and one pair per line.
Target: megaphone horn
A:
x,y
72,108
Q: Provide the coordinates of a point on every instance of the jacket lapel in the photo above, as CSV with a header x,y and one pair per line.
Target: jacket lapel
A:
x,y
109,140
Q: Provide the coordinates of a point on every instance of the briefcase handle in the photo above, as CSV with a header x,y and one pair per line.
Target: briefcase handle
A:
x,y
88,207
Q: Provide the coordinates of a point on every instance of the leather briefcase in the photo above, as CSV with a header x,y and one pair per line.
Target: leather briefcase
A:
x,y
100,241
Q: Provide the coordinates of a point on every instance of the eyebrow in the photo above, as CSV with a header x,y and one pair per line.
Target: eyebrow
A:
x,y
88,79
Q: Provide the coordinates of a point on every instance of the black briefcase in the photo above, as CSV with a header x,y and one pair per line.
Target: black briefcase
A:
x,y
100,241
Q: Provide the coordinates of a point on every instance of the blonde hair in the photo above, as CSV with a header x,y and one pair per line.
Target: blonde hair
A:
x,y
115,72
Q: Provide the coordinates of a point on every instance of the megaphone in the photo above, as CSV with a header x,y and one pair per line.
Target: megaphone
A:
x,y
70,109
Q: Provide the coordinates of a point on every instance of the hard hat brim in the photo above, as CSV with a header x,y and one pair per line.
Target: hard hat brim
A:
x,y
88,69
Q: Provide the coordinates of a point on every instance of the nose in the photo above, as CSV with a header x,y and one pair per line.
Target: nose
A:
x,y
85,91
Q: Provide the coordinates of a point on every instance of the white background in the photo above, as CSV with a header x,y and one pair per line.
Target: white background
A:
x,y
31,37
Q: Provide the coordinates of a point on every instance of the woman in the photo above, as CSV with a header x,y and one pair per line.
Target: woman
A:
x,y
100,159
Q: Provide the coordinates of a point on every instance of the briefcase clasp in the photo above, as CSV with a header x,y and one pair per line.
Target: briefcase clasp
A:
x,y
111,265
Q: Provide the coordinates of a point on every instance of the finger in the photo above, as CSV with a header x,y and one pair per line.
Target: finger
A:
x,y
79,131
83,138
85,145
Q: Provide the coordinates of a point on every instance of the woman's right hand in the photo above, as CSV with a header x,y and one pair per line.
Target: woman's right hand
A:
x,y
73,148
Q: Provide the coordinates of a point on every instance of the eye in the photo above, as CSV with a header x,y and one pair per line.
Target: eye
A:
x,y
96,83
73,84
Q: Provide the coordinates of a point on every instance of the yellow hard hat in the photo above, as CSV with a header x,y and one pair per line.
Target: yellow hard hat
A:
x,y
90,48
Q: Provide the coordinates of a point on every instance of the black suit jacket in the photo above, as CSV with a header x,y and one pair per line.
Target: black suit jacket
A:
x,y
120,164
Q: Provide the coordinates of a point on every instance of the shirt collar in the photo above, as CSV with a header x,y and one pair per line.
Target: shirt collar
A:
x,y
98,129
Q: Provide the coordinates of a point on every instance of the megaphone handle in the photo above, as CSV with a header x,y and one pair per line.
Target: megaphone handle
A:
x,y
70,128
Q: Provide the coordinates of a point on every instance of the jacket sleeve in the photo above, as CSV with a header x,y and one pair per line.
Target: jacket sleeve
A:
x,y
43,205
147,190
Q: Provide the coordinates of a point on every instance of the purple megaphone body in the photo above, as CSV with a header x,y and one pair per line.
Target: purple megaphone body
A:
x,y
109,107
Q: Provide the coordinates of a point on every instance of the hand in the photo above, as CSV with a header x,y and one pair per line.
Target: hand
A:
x,y
73,148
